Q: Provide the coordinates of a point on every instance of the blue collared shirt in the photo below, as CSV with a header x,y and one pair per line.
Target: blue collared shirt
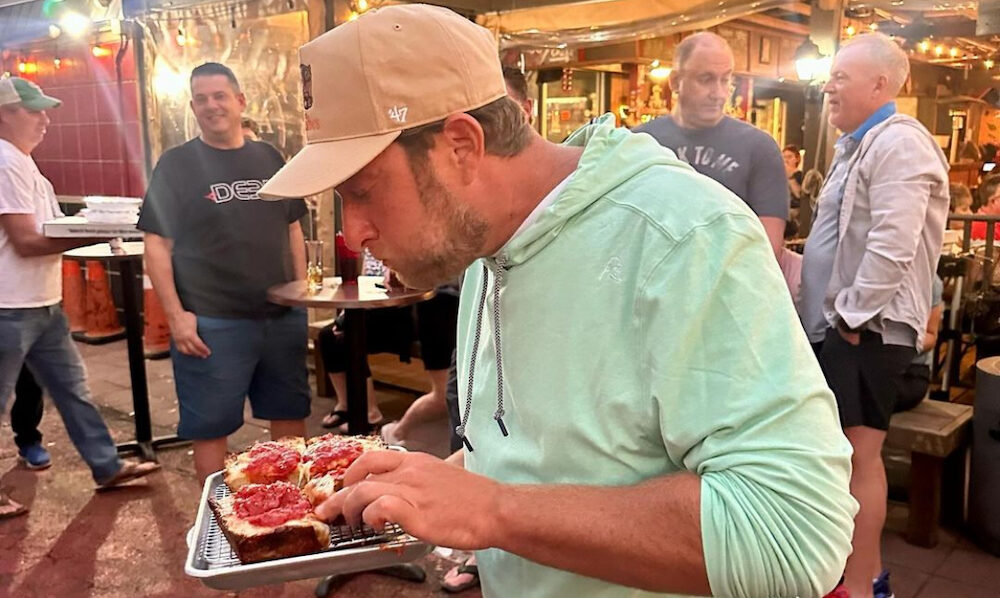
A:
x,y
884,112
821,246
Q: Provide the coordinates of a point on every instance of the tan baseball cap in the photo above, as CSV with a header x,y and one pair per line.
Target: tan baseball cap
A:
x,y
366,81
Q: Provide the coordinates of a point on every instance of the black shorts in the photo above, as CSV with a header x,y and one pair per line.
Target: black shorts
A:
x,y
437,330
391,330
866,379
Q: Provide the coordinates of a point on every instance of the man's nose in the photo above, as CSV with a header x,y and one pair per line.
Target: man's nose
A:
x,y
358,230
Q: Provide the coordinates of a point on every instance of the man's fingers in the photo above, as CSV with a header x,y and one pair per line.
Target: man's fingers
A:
x,y
363,494
390,509
374,462
199,346
193,346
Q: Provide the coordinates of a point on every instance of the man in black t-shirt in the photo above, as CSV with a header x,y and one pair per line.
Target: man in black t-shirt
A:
x,y
743,158
212,250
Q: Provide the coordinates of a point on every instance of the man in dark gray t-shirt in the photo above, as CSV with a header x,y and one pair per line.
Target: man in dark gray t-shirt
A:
x,y
746,160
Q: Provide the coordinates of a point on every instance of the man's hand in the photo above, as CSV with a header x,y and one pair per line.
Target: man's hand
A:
x,y
851,336
184,329
432,500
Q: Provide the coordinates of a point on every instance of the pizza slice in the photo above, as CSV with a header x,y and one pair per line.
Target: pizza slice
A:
x,y
267,462
331,453
327,459
320,488
270,521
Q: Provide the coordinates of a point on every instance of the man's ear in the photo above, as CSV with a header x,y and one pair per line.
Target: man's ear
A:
x,y
881,85
465,142
675,79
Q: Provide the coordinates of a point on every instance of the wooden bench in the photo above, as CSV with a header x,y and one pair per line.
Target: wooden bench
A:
x,y
932,432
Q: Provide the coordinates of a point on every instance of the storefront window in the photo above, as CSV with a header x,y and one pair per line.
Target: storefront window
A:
x,y
570,103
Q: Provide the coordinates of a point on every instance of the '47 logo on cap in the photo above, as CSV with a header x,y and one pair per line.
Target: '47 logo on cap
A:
x,y
398,113
307,85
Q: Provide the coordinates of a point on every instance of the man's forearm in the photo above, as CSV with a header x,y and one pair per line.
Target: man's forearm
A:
x,y
297,246
39,246
161,272
775,229
646,536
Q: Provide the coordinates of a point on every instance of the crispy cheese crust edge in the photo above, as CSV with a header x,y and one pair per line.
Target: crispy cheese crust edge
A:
x,y
294,538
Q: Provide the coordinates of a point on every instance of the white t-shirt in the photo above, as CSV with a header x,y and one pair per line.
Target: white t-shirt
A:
x,y
26,281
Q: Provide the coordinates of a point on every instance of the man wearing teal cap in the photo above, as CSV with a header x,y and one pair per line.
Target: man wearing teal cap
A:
x,y
33,327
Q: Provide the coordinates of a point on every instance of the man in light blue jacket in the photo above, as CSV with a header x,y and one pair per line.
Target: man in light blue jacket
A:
x,y
641,413
868,267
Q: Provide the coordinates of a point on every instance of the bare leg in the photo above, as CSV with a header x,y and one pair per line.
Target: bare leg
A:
x,y
870,489
339,382
209,456
287,427
427,408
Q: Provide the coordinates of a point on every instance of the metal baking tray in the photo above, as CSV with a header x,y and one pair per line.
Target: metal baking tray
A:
x,y
212,561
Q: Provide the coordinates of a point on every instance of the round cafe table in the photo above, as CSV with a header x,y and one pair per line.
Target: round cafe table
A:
x,y
127,258
353,299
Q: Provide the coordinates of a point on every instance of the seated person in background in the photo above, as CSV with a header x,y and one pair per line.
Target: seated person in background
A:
x,y
792,158
390,330
961,203
989,197
917,378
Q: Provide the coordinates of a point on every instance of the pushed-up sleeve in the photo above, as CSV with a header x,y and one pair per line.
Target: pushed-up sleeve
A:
x,y
743,404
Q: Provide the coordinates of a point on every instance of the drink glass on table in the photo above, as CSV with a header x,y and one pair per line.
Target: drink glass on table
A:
x,y
314,266
347,261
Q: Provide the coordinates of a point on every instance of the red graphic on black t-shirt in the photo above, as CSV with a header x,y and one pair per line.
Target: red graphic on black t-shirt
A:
x,y
245,190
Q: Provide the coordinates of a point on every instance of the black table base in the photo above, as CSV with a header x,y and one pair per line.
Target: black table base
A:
x,y
357,384
406,571
144,444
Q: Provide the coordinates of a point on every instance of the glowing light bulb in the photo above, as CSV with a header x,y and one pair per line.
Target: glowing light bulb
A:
x,y
74,24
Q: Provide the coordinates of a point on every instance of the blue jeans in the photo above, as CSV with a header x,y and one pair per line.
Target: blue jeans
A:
x,y
263,359
39,337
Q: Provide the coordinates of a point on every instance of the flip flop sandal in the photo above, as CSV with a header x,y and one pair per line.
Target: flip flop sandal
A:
x,y
131,470
10,509
334,419
465,569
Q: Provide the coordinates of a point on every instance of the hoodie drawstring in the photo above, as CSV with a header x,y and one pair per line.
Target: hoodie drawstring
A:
x,y
498,415
501,264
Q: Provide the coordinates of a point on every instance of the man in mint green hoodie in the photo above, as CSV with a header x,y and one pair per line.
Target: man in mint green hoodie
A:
x,y
641,411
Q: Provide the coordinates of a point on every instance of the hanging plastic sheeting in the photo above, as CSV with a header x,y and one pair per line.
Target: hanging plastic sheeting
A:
x,y
597,23
258,40
38,20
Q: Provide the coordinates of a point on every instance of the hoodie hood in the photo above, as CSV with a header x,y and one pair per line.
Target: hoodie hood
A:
x,y
607,149
611,156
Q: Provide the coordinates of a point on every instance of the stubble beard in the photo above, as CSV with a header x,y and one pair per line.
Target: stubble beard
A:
x,y
456,239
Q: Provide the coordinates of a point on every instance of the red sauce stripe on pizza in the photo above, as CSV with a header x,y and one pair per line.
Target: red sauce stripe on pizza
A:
x,y
272,461
270,505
